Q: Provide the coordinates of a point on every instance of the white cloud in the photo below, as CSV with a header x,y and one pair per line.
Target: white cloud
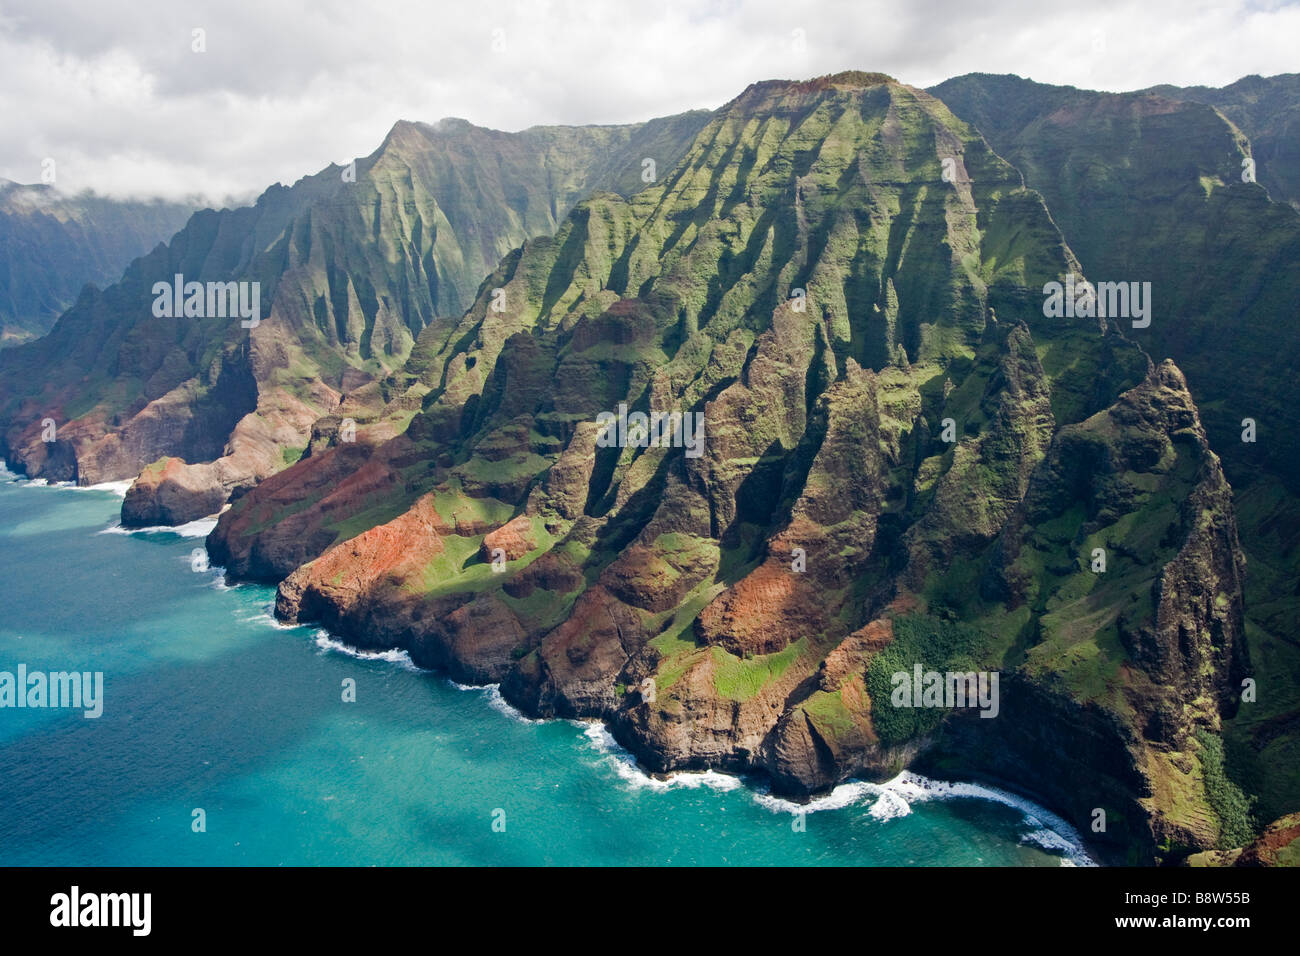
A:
x,y
115,94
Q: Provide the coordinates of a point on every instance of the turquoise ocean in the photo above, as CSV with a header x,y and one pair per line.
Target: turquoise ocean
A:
x,y
210,705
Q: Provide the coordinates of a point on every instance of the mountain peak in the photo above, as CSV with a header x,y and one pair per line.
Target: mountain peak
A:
x,y
774,91
415,132
844,80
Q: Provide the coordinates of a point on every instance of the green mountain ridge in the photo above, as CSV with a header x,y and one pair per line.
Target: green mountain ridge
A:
x,y
905,461
1146,186
349,271
812,281
1267,110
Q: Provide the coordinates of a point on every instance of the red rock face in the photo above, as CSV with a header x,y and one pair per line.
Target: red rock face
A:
x,y
855,650
514,538
274,532
766,610
1278,836
344,573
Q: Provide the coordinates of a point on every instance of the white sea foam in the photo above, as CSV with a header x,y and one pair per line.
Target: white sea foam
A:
x,y
266,617
1053,842
1047,830
219,582
328,644
492,694
625,765
895,798
889,805
118,488
199,528
889,800
845,795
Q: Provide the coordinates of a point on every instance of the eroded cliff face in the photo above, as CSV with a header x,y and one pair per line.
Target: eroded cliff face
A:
x,y
902,462
1166,198
350,269
1123,562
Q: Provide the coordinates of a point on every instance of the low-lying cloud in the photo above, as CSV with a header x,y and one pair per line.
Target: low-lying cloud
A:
x,y
116,94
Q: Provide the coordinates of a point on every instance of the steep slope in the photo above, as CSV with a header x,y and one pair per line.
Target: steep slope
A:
x,y
841,286
1267,110
52,245
1121,570
350,266
1148,188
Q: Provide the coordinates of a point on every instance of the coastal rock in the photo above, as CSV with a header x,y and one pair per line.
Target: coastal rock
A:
x,y
574,670
168,492
288,522
475,644
326,589
172,491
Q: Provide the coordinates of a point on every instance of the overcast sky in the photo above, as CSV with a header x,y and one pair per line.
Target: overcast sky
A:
x,y
116,95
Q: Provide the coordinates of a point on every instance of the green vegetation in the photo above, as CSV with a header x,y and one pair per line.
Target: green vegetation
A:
x,y
1231,806
831,713
741,678
937,645
806,275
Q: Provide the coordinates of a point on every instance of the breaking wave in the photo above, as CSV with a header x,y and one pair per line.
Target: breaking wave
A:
x,y
625,765
198,528
492,694
328,645
895,798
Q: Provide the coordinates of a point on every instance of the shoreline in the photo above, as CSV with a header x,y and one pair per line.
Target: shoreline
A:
x,y
893,798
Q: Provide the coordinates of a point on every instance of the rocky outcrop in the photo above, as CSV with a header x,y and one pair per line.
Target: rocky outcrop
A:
x,y
511,541
293,517
575,669
830,735
328,588
1125,552
170,492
